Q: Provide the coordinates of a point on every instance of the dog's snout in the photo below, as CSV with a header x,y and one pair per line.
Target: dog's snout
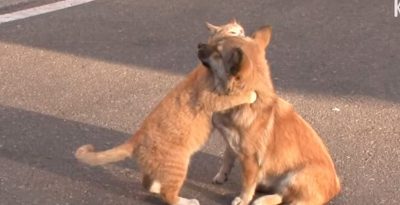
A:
x,y
204,51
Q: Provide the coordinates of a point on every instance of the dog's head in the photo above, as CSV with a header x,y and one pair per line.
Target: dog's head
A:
x,y
234,61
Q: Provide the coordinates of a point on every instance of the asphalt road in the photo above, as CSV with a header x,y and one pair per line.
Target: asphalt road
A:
x,y
91,73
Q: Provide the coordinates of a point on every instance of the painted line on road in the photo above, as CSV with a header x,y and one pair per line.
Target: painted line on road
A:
x,y
40,10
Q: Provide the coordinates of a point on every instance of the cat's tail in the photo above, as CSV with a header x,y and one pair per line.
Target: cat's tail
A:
x,y
87,154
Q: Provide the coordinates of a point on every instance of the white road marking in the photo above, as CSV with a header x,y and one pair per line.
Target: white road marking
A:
x,y
41,10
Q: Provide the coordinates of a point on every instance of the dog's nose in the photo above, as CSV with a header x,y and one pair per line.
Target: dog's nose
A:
x,y
204,51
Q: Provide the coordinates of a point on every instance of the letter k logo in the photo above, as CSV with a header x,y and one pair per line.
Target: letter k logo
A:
x,y
396,8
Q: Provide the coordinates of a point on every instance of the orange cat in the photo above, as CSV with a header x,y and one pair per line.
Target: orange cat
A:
x,y
174,130
232,28
278,150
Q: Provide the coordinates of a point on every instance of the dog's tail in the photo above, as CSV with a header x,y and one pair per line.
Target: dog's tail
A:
x,y
87,154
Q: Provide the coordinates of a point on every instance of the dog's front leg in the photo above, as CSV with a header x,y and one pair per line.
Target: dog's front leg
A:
x,y
226,167
250,175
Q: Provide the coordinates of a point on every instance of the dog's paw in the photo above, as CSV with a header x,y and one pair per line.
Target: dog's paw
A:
x,y
237,201
184,201
268,199
194,202
220,178
258,202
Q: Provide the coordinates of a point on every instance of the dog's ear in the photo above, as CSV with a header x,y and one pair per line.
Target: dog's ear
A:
x,y
263,36
212,28
204,52
235,61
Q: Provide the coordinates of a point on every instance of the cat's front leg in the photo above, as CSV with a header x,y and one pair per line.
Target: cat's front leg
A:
x,y
218,103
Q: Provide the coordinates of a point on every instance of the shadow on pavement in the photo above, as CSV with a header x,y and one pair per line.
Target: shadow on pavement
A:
x,y
47,143
322,47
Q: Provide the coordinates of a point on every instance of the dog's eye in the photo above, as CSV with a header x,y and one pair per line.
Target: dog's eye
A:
x,y
233,32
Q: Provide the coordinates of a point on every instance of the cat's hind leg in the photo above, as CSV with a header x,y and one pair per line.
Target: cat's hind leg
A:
x,y
170,194
174,175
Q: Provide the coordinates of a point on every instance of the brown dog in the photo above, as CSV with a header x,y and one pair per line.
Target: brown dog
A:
x,y
278,150
175,129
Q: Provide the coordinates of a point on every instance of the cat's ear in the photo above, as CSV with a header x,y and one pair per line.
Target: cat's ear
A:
x,y
233,21
204,52
263,36
235,60
212,28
